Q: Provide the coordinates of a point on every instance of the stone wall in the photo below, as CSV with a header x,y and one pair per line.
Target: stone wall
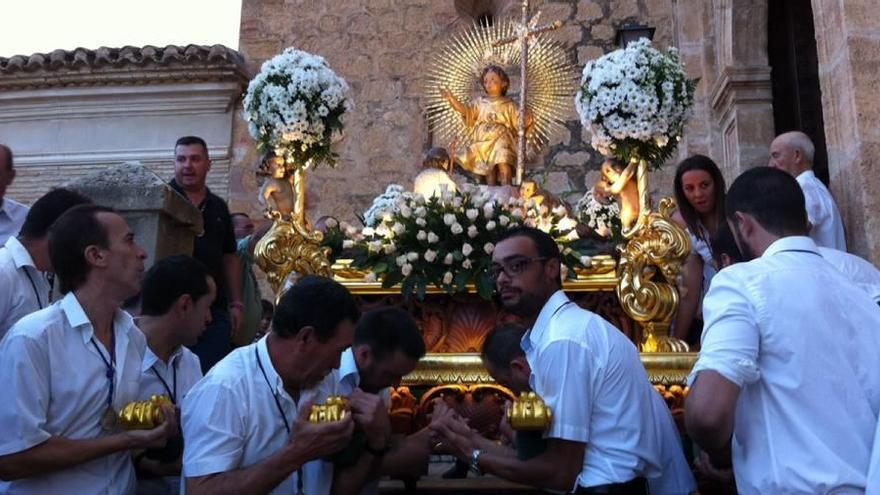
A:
x,y
848,43
382,48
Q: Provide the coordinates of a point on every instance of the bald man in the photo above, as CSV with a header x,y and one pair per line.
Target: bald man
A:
x,y
12,213
793,152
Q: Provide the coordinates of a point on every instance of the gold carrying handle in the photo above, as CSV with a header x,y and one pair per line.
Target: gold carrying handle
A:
x,y
145,414
529,413
334,409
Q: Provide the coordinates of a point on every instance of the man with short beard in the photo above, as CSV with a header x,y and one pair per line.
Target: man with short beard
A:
x,y
787,384
603,437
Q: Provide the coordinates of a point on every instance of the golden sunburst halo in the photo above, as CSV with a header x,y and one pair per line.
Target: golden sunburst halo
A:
x,y
552,80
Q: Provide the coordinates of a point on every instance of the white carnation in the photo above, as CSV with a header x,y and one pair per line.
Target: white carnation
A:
x,y
430,255
432,238
449,218
422,235
467,249
406,269
448,259
488,248
456,228
347,244
472,214
411,256
490,225
472,231
467,264
447,278
503,220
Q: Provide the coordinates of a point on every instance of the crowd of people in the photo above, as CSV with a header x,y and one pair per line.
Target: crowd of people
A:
x,y
784,396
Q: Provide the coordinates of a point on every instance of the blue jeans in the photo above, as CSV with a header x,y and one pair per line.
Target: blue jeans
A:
x,y
214,343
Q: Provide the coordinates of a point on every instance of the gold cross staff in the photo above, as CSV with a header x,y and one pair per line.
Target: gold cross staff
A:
x,y
524,32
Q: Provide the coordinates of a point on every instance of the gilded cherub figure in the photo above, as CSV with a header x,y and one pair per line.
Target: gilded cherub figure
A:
x,y
277,193
493,121
620,181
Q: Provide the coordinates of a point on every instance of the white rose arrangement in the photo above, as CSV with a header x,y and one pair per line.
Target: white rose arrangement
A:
x,y
295,107
447,241
635,101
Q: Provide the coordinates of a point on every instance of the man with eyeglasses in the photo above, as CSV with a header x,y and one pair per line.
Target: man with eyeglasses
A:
x,y
607,433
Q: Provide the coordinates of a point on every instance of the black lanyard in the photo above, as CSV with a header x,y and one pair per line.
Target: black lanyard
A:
x,y
110,371
299,479
33,286
173,394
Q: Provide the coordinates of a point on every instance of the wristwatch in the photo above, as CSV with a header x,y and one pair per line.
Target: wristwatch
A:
x,y
475,462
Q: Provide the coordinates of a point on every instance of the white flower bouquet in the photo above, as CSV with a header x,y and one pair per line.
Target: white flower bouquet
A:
x,y
603,218
383,205
635,102
447,241
294,107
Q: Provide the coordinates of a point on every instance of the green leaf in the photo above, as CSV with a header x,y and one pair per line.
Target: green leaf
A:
x,y
380,267
407,287
391,279
485,287
461,279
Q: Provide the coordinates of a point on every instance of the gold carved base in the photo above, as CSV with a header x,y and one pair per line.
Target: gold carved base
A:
x,y
290,247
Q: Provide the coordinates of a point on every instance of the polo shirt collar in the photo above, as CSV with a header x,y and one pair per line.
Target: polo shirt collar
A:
x,y
348,370
3,203
150,358
805,175
77,318
533,336
791,243
20,255
177,187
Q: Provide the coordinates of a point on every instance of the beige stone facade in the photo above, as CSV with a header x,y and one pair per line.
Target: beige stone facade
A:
x,y
382,47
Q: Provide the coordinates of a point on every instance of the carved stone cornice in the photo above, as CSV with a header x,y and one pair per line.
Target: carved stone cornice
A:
x,y
123,66
740,85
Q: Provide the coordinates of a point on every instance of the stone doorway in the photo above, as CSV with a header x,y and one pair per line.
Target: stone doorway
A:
x,y
797,98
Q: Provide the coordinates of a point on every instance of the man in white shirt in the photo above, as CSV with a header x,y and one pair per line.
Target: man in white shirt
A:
x,y
24,260
12,213
603,437
68,369
788,377
793,152
387,346
245,424
503,357
857,270
175,308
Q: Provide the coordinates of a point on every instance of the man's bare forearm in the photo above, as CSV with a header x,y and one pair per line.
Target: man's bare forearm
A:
x,y
59,453
261,477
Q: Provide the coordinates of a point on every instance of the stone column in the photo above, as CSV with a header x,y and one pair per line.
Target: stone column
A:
x,y
164,223
741,97
848,46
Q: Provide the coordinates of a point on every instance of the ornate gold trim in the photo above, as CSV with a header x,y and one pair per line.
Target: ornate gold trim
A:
x,y
666,368
601,276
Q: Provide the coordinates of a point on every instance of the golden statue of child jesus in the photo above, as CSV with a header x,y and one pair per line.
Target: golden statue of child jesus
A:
x,y
493,120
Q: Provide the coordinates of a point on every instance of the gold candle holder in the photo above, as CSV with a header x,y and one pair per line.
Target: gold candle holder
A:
x,y
334,409
145,414
529,413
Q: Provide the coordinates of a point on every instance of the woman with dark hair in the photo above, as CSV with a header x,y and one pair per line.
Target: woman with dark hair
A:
x,y
700,194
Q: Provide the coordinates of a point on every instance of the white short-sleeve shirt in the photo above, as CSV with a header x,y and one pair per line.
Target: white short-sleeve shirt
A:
x,y
231,420
822,212
12,216
55,385
25,289
591,376
801,342
174,379
858,270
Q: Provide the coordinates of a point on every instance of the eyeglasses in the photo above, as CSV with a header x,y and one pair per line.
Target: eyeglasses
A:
x,y
513,267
